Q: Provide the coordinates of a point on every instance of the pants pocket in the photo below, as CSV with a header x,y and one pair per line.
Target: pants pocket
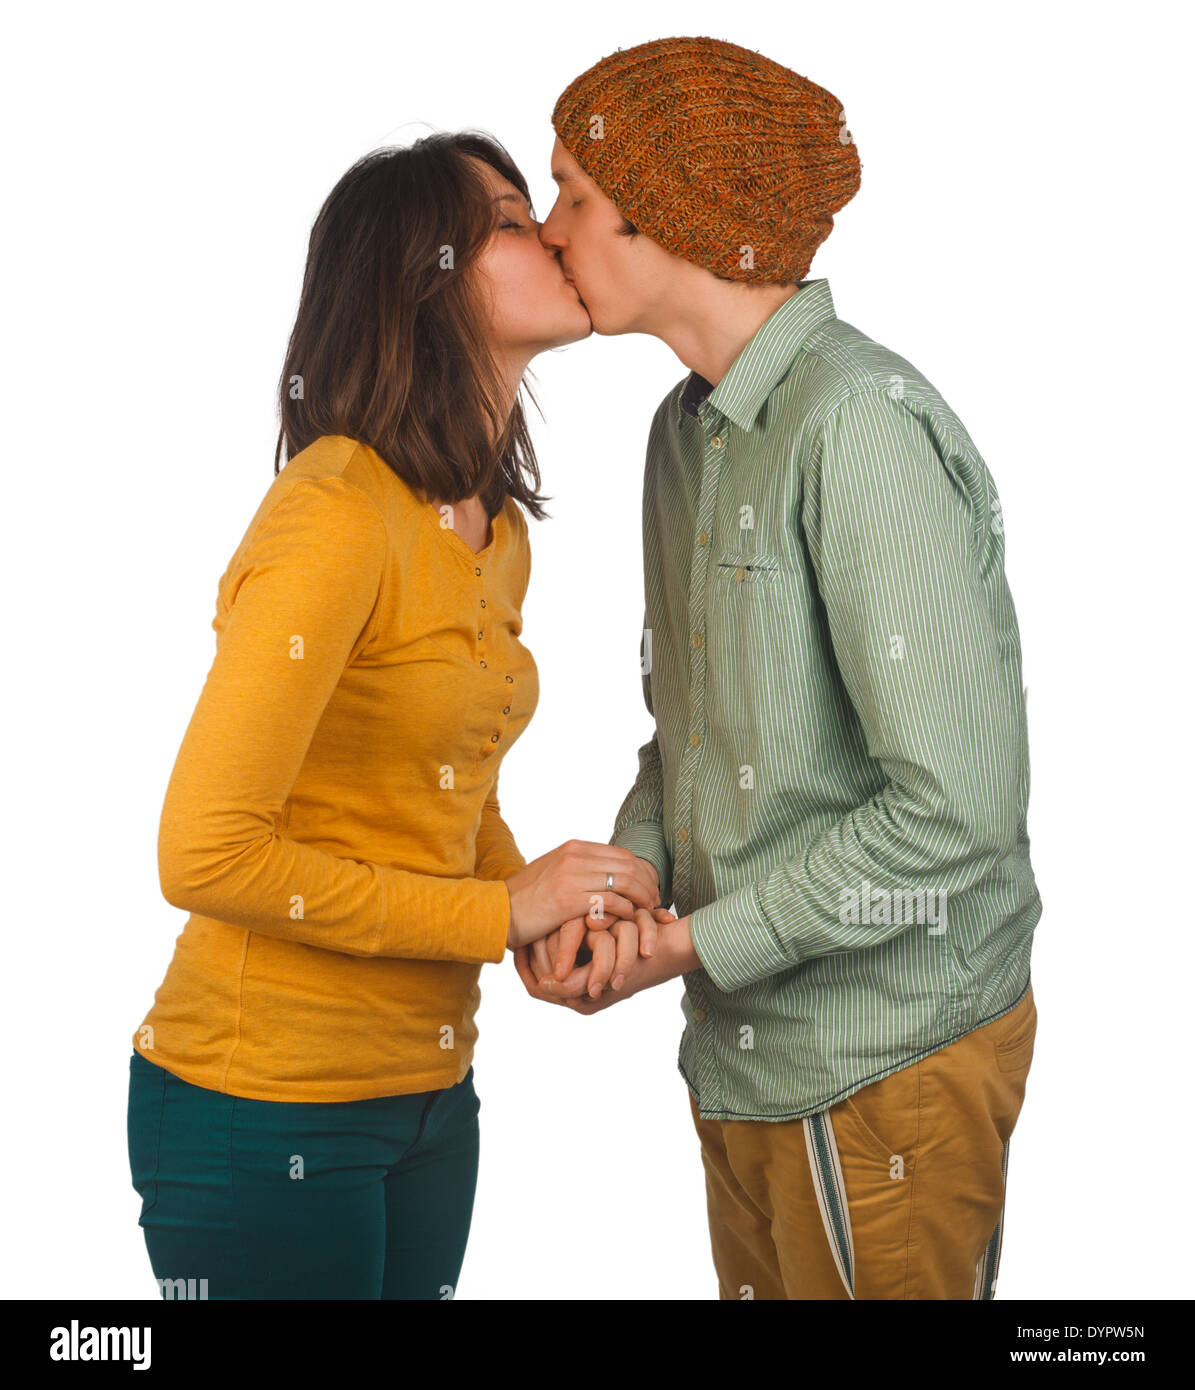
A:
x,y
884,1116
147,1100
1014,1050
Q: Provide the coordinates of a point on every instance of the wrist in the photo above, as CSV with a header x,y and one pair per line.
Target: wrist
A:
x,y
674,946
511,942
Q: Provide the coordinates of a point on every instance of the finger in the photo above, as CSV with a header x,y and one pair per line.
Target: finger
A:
x,y
576,985
523,966
601,943
634,876
634,872
647,932
570,936
614,907
638,884
627,939
616,859
611,947
541,964
607,919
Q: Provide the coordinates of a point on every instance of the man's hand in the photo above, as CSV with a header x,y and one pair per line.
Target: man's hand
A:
x,y
674,955
603,954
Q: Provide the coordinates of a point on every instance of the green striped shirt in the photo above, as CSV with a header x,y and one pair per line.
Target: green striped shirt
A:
x,y
837,787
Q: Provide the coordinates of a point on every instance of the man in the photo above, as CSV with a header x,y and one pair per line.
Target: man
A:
x,y
835,796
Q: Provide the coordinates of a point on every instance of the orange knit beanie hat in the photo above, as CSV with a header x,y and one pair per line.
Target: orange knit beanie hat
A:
x,y
718,154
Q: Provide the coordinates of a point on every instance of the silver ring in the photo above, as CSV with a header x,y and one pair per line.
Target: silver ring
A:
x,y
609,880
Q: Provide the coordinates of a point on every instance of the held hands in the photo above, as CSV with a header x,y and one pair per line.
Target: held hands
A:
x,y
559,915
568,885
624,954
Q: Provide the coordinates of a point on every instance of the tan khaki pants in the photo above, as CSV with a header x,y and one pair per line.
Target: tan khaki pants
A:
x,y
895,1192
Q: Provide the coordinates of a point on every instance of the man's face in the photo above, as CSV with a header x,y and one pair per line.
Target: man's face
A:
x,y
621,279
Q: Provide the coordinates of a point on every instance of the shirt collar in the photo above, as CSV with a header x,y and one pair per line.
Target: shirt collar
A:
x,y
764,361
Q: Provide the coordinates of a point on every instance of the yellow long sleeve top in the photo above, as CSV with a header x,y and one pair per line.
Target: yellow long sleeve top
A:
x,y
331,824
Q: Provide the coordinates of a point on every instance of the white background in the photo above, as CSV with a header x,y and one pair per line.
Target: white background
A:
x,y
1021,235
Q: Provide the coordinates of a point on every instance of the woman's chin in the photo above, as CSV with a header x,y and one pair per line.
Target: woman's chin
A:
x,y
580,329
569,328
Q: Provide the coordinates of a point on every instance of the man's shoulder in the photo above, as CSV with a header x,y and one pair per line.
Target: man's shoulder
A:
x,y
841,365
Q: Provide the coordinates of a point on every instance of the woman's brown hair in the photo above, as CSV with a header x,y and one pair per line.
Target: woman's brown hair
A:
x,y
388,345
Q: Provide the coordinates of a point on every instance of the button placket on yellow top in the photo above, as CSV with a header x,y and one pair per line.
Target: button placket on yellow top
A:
x,y
477,560
482,649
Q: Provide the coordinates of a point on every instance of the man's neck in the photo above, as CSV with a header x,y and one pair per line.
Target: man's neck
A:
x,y
710,329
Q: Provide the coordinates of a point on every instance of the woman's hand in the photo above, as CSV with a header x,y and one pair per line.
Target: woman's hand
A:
x,y
569,883
609,955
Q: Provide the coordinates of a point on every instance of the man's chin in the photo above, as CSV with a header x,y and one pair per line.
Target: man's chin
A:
x,y
606,328
607,324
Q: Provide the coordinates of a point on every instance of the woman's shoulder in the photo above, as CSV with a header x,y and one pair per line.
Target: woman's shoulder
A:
x,y
336,456
518,550
324,493
517,518
343,464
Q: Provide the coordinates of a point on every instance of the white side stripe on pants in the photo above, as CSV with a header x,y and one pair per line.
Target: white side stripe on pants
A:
x,y
989,1264
831,1194
830,1189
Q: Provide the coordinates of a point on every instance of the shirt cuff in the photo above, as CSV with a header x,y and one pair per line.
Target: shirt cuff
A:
x,y
646,839
491,926
735,942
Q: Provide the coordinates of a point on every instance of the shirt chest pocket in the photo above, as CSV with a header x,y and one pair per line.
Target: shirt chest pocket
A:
x,y
739,575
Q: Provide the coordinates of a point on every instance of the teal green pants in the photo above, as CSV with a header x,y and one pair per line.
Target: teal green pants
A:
x,y
277,1199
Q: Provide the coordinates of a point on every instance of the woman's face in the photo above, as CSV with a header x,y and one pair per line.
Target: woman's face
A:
x,y
532,307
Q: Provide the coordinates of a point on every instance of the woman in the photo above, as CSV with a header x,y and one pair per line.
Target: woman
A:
x,y
302,1121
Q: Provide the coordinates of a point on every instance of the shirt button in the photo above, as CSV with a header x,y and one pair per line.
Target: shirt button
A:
x,y
493,738
481,663
483,603
476,571
703,538
505,709
510,680
740,574
480,634
682,834
697,639
699,1015
694,739
715,441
